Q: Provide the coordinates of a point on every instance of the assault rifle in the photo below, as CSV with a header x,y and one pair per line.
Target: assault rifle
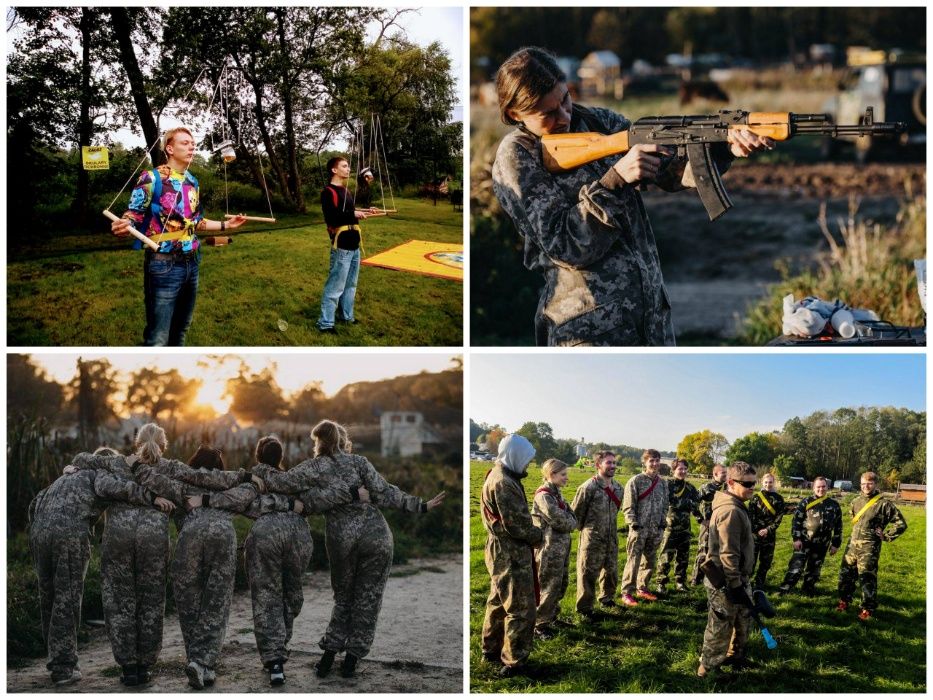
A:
x,y
760,606
694,135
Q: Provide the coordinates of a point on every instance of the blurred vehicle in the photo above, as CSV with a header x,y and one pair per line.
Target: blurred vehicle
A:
x,y
894,84
843,485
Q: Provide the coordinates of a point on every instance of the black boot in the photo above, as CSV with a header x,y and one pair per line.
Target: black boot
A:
x,y
348,667
325,664
130,676
276,672
143,675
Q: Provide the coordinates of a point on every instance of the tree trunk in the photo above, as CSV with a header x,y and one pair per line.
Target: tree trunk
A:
x,y
79,204
294,177
123,30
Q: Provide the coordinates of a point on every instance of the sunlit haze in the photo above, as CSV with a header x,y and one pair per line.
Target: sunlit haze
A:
x,y
653,401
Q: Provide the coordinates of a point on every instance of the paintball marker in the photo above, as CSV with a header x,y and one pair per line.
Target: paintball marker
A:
x,y
693,137
760,606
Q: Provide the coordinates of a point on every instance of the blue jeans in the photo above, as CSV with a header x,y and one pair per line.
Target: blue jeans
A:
x,y
171,286
340,288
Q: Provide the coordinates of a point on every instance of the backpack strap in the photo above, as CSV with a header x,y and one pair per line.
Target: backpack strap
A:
x,y
155,207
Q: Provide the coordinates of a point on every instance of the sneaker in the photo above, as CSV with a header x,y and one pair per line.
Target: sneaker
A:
x,y
348,667
843,606
681,588
325,664
865,615
330,330
543,633
195,673
645,595
66,677
276,673
660,589
628,600
145,676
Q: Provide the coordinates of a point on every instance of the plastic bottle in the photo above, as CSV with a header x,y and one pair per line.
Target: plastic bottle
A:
x,y
844,323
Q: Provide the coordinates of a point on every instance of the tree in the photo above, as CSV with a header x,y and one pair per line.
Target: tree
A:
x,y
703,449
257,397
30,393
93,391
758,449
783,468
541,438
308,405
161,395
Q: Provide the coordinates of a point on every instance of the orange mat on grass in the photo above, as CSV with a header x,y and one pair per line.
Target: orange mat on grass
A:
x,y
424,257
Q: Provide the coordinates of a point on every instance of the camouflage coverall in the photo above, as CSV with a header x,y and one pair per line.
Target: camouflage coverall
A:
x,y
683,500
60,523
763,518
511,536
358,539
588,233
732,546
818,528
598,550
135,556
551,513
707,491
860,563
645,510
278,551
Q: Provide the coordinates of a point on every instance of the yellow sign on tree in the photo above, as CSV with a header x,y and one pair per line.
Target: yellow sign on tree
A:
x,y
95,157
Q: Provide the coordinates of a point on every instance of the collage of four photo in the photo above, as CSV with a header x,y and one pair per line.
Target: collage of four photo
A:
x,y
349,469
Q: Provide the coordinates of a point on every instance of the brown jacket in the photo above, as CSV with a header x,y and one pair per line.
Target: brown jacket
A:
x,y
731,541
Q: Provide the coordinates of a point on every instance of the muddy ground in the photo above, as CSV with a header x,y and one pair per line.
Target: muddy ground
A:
x,y
714,271
418,646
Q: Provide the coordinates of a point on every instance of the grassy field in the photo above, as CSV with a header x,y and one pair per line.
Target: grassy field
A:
x,y
264,289
655,647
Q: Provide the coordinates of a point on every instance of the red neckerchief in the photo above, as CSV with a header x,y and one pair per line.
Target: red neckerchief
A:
x,y
560,501
609,492
648,491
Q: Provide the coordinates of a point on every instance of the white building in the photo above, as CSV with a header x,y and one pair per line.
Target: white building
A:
x,y
404,433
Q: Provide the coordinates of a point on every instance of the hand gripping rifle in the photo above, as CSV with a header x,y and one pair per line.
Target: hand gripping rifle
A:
x,y
694,135
760,606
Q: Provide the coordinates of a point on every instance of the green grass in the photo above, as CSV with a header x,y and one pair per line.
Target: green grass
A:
x,y
87,290
656,647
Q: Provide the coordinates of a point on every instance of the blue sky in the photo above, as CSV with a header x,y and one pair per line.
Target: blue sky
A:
x,y
654,400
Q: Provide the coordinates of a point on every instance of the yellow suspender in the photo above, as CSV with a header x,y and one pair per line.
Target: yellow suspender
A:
x,y
858,516
767,504
681,492
817,501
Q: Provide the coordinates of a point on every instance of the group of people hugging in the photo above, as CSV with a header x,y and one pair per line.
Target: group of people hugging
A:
x,y
141,491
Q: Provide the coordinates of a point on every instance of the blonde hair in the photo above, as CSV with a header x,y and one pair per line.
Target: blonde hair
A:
x,y
552,467
170,134
150,443
330,438
104,451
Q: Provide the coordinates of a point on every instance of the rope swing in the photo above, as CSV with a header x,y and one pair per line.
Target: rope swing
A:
x,y
373,143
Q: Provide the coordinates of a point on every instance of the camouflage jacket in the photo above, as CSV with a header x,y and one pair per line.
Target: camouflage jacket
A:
x,y
595,510
881,513
550,512
641,510
731,543
761,515
683,500
821,522
588,233
505,513
74,502
707,491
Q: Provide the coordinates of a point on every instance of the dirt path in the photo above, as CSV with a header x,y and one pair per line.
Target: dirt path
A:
x,y
418,646
714,271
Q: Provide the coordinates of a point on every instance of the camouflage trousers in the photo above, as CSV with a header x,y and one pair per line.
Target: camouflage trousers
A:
x,y
807,562
134,572
553,579
674,549
764,557
508,627
702,545
642,553
597,563
203,574
727,629
860,566
278,551
61,561
359,548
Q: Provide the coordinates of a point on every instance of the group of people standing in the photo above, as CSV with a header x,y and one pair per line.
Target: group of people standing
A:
x,y
528,551
138,493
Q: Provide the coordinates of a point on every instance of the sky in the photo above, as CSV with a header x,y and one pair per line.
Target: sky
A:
x,y
654,400
295,371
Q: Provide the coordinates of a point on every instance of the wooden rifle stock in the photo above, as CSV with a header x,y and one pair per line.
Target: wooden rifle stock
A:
x,y
563,152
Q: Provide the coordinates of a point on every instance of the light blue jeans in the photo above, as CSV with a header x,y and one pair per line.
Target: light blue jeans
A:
x,y
340,288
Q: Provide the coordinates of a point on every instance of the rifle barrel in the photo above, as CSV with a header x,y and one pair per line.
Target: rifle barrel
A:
x,y
852,129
